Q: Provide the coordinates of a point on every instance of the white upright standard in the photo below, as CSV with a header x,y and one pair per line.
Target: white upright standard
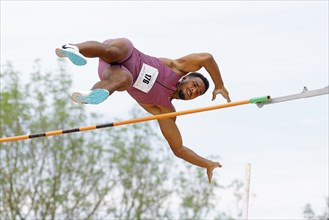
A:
x,y
246,192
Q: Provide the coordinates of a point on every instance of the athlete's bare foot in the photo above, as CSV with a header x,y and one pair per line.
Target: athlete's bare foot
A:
x,y
210,169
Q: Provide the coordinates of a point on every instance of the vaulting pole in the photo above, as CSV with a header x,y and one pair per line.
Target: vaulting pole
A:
x,y
136,120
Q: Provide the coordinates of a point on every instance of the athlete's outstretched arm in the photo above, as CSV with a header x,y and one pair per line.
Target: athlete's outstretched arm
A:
x,y
196,61
172,134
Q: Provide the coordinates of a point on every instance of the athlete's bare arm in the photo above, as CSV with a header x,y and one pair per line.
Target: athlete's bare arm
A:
x,y
173,136
194,62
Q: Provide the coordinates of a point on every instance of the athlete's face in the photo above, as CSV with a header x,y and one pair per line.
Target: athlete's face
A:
x,y
191,87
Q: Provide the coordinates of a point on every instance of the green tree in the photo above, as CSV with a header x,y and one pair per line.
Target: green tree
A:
x,y
309,213
124,172
143,169
111,173
196,196
46,178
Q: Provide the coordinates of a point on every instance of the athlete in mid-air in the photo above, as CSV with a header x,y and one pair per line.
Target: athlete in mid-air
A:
x,y
152,82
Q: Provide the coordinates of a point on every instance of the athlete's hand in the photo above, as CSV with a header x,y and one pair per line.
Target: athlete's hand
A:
x,y
223,91
211,168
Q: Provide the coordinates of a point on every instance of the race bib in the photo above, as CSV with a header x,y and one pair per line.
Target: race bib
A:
x,y
146,78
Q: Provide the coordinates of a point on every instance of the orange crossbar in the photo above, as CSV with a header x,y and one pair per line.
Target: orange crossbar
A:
x,y
15,138
185,112
130,121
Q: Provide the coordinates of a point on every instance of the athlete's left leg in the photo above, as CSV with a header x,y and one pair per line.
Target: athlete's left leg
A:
x,y
114,78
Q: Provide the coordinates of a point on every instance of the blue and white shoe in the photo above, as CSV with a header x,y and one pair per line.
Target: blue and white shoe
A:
x,y
94,96
72,52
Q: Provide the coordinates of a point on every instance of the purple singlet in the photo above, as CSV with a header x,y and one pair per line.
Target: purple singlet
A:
x,y
164,86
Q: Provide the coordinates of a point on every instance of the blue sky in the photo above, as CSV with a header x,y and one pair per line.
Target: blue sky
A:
x,y
262,48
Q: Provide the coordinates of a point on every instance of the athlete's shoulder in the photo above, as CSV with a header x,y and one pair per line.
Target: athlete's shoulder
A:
x,y
173,65
168,62
191,62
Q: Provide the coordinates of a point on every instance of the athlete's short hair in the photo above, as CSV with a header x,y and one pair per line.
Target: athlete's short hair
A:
x,y
202,77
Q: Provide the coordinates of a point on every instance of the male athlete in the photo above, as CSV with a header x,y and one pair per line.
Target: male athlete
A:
x,y
152,82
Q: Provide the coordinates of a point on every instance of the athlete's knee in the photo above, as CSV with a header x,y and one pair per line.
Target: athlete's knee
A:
x,y
111,53
118,50
121,77
126,48
126,79
128,45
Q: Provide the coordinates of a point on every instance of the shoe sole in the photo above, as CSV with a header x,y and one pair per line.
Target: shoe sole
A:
x,y
75,58
95,97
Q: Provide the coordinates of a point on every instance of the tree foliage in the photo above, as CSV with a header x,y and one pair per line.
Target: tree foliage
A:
x,y
118,173
52,177
309,213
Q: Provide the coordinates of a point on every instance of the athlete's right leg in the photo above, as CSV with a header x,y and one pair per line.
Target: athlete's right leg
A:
x,y
111,51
